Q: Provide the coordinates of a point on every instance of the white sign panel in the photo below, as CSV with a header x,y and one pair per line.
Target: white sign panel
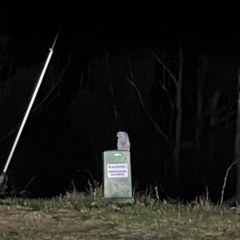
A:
x,y
118,170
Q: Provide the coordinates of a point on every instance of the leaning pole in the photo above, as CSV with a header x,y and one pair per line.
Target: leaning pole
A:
x,y
3,176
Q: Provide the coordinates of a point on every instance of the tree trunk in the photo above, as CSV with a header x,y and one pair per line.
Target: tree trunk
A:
x,y
213,125
112,92
178,136
237,145
199,118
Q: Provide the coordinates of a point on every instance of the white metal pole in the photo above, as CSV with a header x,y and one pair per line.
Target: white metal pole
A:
x,y
26,114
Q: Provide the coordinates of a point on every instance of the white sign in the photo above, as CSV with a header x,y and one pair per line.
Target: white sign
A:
x,y
119,170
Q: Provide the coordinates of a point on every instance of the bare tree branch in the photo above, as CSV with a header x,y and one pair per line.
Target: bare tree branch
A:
x,y
52,89
47,99
164,66
9,134
155,124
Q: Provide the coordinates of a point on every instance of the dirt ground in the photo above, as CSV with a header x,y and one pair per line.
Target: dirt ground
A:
x,y
23,223
15,219
63,224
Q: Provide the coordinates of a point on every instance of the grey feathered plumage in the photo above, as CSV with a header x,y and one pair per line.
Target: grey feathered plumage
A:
x,y
123,141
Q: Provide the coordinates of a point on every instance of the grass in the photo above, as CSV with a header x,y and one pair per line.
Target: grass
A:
x,y
89,216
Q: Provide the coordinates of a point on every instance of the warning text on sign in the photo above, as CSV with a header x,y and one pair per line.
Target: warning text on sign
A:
x,y
117,170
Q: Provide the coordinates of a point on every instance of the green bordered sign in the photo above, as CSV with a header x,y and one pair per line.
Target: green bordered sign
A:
x,y
117,175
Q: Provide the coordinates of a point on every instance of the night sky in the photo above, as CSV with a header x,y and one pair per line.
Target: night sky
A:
x,y
86,96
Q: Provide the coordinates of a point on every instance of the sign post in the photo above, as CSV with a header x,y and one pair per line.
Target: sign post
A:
x,y
117,175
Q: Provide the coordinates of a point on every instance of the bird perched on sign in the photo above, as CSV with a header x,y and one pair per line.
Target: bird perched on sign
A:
x,y
123,141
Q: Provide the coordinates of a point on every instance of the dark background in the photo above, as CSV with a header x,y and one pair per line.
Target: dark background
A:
x,y
86,96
